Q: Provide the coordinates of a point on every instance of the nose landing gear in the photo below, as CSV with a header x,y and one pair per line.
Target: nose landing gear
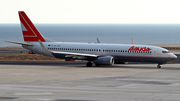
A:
x,y
159,65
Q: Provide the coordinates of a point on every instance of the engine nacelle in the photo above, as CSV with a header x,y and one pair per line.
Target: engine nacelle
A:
x,y
104,60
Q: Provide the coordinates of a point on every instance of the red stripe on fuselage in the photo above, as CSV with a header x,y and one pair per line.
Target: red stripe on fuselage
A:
x,y
32,34
127,56
136,56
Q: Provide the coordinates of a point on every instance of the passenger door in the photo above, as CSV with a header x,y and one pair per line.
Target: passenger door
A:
x,y
155,52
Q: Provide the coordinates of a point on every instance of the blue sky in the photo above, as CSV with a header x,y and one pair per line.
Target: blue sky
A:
x,y
92,11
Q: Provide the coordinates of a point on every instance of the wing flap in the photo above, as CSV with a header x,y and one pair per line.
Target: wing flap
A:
x,y
75,55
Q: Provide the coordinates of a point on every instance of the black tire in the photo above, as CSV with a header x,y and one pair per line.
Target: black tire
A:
x,y
98,65
89,64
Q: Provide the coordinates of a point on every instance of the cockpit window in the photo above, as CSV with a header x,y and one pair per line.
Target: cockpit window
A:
x,y
165,52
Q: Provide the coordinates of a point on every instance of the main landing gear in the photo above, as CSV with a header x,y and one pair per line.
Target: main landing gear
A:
x,y
158,66
89,64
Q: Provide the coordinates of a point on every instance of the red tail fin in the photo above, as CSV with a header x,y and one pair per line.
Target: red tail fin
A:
x,y
30,33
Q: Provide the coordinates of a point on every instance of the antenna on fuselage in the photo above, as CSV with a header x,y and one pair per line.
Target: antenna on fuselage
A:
x,y
131,40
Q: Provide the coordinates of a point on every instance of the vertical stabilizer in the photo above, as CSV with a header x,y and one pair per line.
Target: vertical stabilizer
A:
x,y
30,33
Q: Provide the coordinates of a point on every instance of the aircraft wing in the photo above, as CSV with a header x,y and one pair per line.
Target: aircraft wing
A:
x,y
70,54
75,55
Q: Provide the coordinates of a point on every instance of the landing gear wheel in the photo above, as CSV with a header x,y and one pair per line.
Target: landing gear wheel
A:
x,y
89,64
158,66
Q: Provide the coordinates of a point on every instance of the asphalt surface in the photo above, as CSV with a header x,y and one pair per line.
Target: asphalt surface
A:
x,y
72,81
45,63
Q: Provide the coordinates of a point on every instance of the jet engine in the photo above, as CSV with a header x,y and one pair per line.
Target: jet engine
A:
x,y
104,60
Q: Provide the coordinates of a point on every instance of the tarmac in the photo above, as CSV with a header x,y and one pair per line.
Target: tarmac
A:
x,y
73,81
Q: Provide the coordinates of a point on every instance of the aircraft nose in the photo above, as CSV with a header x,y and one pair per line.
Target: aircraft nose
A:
x,y
173,56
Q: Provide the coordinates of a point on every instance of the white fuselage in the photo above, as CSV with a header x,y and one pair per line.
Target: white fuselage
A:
x,y
120,52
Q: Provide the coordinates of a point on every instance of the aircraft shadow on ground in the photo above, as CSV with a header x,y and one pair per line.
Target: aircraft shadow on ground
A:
x,y
83,64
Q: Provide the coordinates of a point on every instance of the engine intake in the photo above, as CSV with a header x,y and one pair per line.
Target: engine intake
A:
x,y
104,60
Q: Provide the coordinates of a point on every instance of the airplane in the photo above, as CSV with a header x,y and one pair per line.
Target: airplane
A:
x,y
94,53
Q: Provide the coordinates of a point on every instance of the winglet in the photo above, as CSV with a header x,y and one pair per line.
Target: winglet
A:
x,y
98,41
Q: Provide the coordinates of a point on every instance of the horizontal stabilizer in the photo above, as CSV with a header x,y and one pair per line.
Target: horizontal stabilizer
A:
x,y
20,43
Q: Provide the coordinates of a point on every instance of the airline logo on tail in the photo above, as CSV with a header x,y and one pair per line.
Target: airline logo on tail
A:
x,y
30,33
